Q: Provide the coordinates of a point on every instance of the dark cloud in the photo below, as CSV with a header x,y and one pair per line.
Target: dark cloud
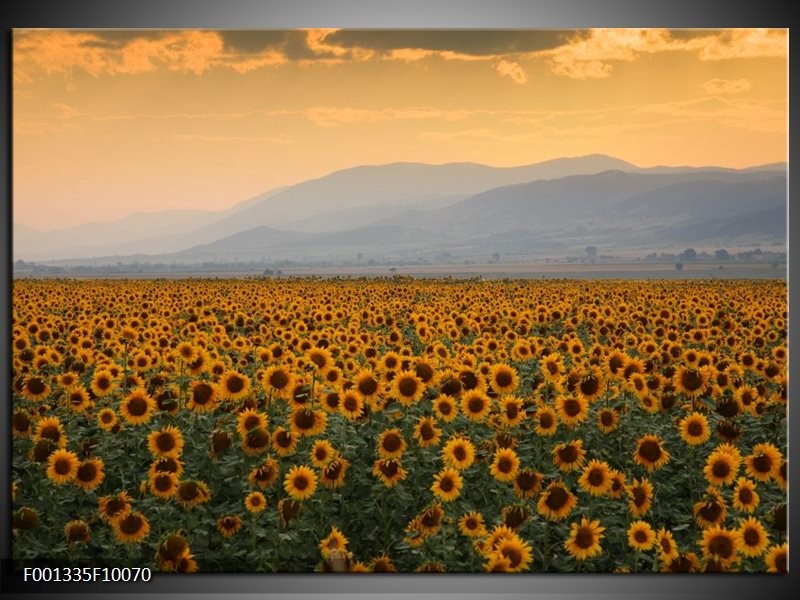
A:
x,y
473,42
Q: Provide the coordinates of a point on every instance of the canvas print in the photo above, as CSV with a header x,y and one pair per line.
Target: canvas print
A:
x,y
399,301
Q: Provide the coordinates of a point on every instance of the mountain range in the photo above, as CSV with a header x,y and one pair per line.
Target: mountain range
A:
x,y
412,211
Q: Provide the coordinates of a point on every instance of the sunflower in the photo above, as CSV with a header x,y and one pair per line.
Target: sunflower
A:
x,y
62,466
265,475
458,453
257,441
391,444
545,421
167,443
21,424
78,399
284,442
512,411
229,525
683,563
498,563
191,493
552,367
444,407
607,420
389,471
505,465
518,553
333,473
753,538
163,485
249,419
777,559
641,536
527,483
51,429
691,382
649,453
407,388
306,422
475,405
503,379
596,478
335,541
720,544
300,482
382,564
584,539
640,497
694,429
112,508
166,465
572,410
90,474
745,497
76,532
569,456
556,502
426,432
203,397
763,462
102,383
447,484
721,468
322,453
471,525
255,502
131,528
137,407
321,358
710,509
591,386
667,548
366,385
278,380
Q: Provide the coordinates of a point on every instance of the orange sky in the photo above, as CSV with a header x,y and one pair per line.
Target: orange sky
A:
x,y
107,123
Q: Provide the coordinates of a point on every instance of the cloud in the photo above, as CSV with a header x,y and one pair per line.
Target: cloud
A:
x,y
332,116
744,43
511,70
724,86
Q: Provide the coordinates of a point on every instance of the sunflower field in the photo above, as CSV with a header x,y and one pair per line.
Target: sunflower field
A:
x,y
379,425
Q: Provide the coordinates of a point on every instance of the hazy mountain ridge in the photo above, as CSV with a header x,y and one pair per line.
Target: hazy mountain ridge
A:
x,y
614,208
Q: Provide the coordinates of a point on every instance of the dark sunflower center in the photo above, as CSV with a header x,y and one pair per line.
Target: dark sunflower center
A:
x,y
431,518
333,470
234,384
137,407
552,367
476,405
451,387
650,450
469,380
300,482
460,453
87,472
50,432
695,429
76,398
304,419
745,496
639,496
446,484
568,454
36,386
513,555
172,547
163,483
572,407
368,386
445,408
114,507
762,463
512,411
596,477
252,421
350,404
721,546
691,380
76,531
426,432
545,420
284,439
503,379
62,466
424,372
556,498
257,438
505,465
165,441
751,537
392,442
21,421
590,385
527,481
640,536
188,490
407,386
607,418
103,383
131,524
584,538
721,469
389,468
711,512
321,453
780,563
